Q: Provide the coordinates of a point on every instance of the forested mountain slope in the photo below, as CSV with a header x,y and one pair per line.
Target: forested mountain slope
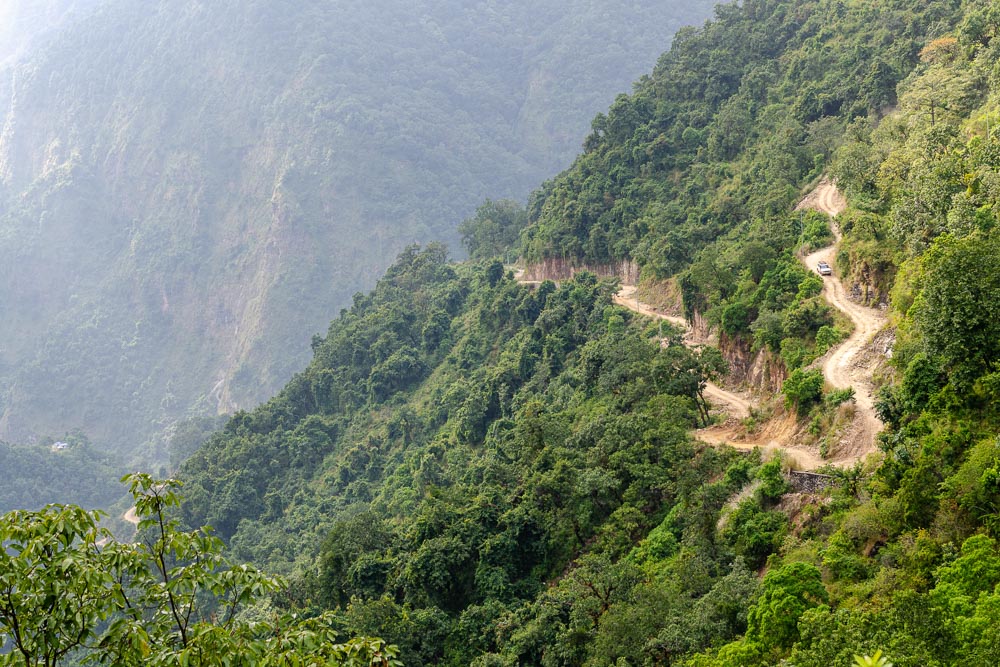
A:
x,y
189,191
457,442
71,471
491,475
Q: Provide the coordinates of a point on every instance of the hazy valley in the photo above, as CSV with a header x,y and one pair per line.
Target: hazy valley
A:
x,y
725,391
189,192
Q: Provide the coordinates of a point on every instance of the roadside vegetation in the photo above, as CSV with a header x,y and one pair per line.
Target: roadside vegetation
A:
x,y
493,474
492,465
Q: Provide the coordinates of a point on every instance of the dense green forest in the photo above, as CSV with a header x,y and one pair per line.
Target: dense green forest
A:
x,y
189,191
72,471
457,442
488,473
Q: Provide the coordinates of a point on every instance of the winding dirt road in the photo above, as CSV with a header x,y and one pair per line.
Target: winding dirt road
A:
x,y
773,438
131,516
736,405
841,366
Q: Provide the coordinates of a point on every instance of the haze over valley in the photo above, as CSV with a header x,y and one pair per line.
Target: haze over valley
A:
x,y
189,191
722,391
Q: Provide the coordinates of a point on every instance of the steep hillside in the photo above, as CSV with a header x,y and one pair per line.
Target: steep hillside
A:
x,y
457,442
494,474
725,130
188,191
491,475
65,471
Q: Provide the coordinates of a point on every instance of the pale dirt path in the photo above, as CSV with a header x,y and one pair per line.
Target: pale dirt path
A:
x,y
798,458
736,405
131,516
840,366
773,438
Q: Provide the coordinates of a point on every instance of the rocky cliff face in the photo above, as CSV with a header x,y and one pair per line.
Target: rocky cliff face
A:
x,y
558,268
762,370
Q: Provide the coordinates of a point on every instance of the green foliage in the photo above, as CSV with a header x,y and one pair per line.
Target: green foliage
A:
x,y
839,396
958,310
826,337
170,598
768,330
72,471
494,230
803,389
876,660
541,438
786,593
54,583
840,557
816,232
515,486
976,570
660,544
806,317
772,482
754,533
695,173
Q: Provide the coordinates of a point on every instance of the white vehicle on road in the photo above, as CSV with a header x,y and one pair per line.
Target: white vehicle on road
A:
x,y
824,269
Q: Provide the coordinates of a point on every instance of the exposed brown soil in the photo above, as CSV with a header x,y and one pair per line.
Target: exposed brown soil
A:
x,y
844,365
736,405
776,435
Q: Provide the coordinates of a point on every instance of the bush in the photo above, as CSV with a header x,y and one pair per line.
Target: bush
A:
x,y
793,353
803,389
840,557
773,484
826,337
755,533
736,318
806,317
835,398
811,285
768,330
816,231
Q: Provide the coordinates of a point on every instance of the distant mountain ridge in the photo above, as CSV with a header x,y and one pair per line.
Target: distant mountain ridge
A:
x,y
187,190
22,22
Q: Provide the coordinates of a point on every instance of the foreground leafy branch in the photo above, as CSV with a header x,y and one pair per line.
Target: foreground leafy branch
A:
x,y
67,589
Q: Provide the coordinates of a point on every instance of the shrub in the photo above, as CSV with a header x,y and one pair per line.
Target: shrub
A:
x,y
836,397
803,389
827,336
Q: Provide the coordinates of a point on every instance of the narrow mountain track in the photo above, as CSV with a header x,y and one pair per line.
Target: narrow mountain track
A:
x,y
798,458
841,367
772,438
735,405
131,516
